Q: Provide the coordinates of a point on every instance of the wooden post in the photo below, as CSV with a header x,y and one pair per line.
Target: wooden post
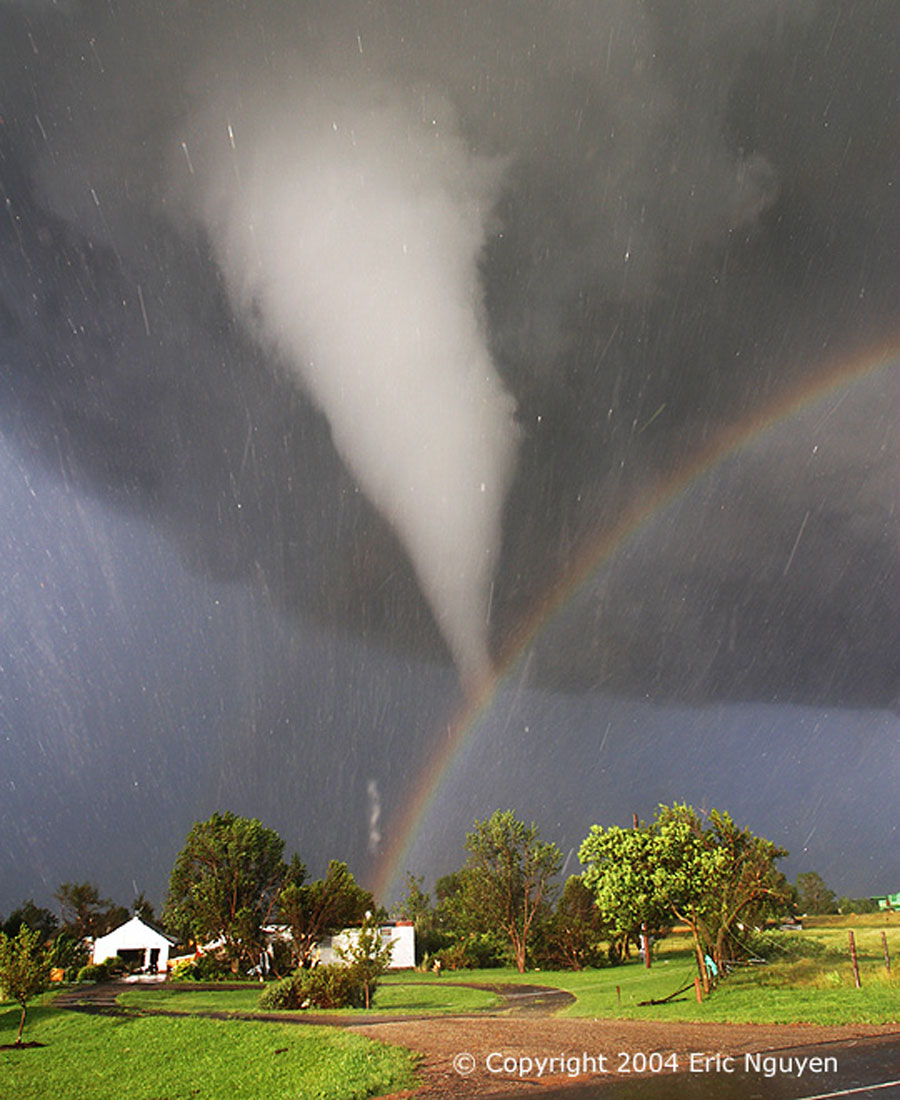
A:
x,y
887,957
619,995
698,990
854,959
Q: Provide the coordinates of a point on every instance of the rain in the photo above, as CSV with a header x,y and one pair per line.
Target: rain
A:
x,y
411,410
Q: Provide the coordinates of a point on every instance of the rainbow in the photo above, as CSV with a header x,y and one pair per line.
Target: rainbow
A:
x,y
596,552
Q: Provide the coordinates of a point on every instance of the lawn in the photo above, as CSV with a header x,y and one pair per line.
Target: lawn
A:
x,y
786,990
395,994
188,1058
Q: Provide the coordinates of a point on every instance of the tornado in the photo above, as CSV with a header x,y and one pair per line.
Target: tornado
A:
x,y
349,226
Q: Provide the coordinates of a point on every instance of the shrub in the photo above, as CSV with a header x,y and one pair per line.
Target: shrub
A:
x,y
321,987
204,968
280,996
67,954
479,951
116,967
93,972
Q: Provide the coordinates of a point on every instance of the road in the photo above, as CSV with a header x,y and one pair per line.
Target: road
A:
x,y
867,1069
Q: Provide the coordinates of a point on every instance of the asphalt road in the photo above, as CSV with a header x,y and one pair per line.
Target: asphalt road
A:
x,y
865,1068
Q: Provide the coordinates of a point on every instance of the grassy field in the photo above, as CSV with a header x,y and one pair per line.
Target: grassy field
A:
x,y
188,1057
144,1058
798,985
408,995
786,990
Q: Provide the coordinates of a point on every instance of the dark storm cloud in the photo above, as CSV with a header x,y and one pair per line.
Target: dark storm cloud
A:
x,y
668,215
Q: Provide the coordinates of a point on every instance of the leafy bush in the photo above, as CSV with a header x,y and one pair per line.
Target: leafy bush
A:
x,y
479,951
280,996
321,987
204,968
116,967
93,972
67,954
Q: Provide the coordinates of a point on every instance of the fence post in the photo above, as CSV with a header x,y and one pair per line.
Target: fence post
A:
x,y
887,957
698,990
854,959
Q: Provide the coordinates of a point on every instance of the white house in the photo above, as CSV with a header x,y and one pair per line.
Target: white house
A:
x,y
401,933
138,942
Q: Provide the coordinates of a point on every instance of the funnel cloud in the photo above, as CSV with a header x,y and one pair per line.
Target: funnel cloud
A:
x,y
350,228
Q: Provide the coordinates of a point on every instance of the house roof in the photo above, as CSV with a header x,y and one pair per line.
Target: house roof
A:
x,y
137,928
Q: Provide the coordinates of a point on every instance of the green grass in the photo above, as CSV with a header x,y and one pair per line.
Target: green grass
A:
x,y
188,1058
817,990
395,994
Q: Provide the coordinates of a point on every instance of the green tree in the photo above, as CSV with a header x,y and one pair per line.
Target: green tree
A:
x,y
85,915
225,884
35,916
368,954
142,908
856,905
619,871
321,908
417,907
575,934
24,968
813,896
738,881
712,877
506,882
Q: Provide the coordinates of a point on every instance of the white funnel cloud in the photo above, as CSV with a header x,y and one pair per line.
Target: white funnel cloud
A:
x,y
350,228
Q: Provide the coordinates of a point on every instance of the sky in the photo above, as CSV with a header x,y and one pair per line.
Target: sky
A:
x,y
409,411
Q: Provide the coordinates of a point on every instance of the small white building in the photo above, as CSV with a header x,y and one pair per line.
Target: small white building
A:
x,y
400,933
137,942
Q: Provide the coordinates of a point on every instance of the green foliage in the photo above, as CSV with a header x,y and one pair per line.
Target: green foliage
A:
x,y
712,877
476,951
813,896
776,946
93,972
367,955
85,915
321,908
621,873
856,905
35,917
417,907
208,967
575,935
24,970
327,987
68,954
142,908
506,882
225,884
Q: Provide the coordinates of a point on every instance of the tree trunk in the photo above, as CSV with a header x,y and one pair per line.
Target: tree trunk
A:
x,y
21,1025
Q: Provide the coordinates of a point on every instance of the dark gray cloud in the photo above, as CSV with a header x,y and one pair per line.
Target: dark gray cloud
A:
x,y
685,216
377,316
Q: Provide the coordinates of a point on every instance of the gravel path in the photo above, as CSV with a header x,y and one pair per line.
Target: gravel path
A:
x,y
442,1039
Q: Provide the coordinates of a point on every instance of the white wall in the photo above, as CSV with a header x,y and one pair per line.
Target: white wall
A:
x,y
403,937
